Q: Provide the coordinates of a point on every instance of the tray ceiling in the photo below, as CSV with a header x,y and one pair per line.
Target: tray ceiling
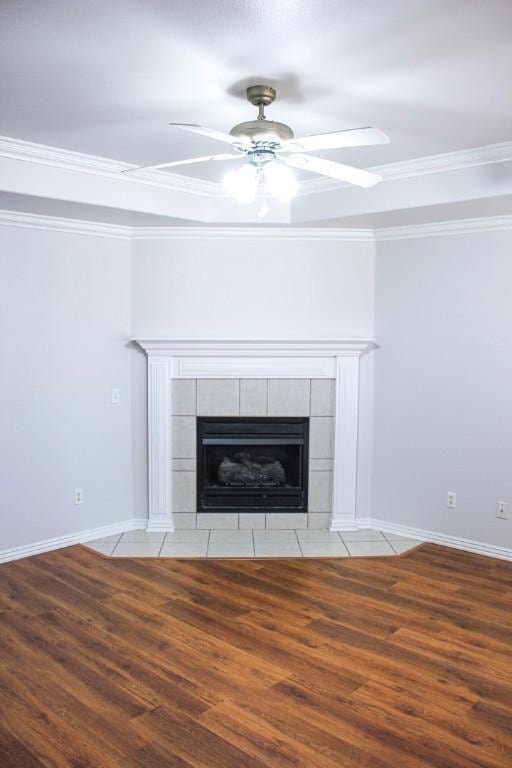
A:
x,y
106,78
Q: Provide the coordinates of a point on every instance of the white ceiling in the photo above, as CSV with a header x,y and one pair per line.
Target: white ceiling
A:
x,y
105,78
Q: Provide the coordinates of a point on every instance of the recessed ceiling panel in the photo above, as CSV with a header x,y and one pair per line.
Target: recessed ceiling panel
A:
x,y
106,78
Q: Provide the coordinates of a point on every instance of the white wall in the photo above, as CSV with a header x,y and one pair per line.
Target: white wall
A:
x,y
443,416
65,318
250,289
257,289
443,405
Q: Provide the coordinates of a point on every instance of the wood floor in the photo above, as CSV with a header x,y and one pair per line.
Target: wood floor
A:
x,y
402,662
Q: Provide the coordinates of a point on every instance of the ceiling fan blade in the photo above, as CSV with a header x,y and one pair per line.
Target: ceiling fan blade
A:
x,y
211,133
354,137
174,163
335,170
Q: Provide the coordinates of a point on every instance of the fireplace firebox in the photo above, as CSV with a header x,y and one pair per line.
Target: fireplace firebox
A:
x,y
252,464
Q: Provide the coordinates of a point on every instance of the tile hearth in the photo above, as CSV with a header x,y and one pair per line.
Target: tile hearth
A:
x,y
253,543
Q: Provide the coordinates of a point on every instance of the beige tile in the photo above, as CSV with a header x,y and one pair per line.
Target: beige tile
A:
x,y
184,491
103,549
185,534
143,537
318,535
321,465
217,520
318,548
395,537
230,544
183,397
184,520
276,544
286,520
319,520
323,394
288,397
365,534
253,397
369,548
183,437
250,520
320,491
218,397
185,544
404,545
137,549
321,437
184,465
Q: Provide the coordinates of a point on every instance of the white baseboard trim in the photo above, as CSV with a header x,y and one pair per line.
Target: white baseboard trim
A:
x,y
38,547
141,523
468,545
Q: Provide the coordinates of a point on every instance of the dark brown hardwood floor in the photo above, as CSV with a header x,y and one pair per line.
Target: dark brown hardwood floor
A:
x,y
403,662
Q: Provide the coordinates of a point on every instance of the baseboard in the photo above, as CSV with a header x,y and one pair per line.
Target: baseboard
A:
x,y
133,524
468,545
36,548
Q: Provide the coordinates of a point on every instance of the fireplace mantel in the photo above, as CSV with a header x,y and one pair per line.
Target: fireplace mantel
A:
x,y
170,358
254,347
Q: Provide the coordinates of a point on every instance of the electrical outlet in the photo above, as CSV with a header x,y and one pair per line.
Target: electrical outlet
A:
x,y
116,395
502,510
451,499
79,496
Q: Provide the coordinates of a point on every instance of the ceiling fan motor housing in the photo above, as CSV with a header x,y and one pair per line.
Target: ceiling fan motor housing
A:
x,y
262,130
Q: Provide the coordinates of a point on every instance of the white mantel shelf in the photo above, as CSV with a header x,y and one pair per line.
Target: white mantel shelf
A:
x,y
254,347
170,358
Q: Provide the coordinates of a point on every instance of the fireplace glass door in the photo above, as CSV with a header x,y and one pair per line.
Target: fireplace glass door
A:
x,y
249,464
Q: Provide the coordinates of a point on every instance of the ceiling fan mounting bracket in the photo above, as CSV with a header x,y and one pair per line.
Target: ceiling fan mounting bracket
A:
x,y
261,94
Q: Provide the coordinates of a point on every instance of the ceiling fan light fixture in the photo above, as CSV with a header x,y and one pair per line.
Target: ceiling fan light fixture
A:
x,y
271,149
280,181
243,183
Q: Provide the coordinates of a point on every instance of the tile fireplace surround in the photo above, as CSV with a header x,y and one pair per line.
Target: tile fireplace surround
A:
x,y
314,378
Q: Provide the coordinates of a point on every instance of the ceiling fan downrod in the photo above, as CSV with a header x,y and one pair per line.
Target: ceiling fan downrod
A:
x,y
261,96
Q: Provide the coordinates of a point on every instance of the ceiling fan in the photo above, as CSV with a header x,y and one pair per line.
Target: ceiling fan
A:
x,y
271,149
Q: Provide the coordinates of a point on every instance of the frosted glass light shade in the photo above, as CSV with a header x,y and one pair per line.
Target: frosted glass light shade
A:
x,y
243,183
280,181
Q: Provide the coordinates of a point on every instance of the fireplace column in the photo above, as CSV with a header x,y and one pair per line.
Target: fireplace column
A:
x,y
345,442
159,443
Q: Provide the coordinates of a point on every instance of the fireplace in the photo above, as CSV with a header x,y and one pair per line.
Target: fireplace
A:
x,y
252,464
189,379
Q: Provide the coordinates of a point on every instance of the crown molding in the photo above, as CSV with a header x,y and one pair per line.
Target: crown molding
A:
x,y
58,224
79,227
284,233
421,166
443,228
253,233
27,151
